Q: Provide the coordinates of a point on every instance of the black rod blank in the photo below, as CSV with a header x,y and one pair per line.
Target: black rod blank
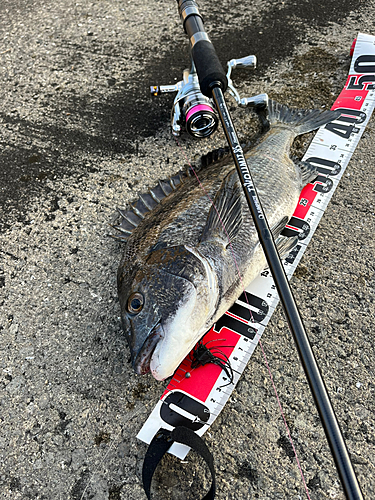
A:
x,y
213,83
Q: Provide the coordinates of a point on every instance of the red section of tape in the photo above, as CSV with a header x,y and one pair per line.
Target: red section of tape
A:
x,y
351,98
305,201
201,380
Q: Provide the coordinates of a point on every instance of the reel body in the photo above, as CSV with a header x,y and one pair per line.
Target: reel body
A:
x,y
195,112
191,109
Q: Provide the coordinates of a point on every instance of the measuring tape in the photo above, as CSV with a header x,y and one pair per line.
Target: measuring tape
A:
x,y
195,397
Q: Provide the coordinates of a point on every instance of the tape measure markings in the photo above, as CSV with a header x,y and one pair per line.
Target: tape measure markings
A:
x,y
206,391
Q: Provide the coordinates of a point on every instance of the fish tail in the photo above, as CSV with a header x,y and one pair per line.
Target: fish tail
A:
x,y
300,121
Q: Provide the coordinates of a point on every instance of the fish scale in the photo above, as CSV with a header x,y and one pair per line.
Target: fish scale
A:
x,y
184,226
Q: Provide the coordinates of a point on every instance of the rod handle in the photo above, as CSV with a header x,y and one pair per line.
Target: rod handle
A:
x,y
209,69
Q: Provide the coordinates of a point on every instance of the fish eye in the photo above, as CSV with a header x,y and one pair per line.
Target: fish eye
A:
x,y
135,303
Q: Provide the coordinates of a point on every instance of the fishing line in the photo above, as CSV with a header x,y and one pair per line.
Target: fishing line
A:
x,y
285,422
110,447
252,319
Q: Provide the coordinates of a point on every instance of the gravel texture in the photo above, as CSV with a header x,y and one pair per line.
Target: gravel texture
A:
x,y
79,136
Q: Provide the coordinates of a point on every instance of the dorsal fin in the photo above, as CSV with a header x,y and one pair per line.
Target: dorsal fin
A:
x,y
214,156
148,201
217,155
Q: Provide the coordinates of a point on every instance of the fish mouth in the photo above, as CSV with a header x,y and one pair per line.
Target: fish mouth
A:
x,y
142,361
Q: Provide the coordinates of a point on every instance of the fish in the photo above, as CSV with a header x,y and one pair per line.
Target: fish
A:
x,y
186,260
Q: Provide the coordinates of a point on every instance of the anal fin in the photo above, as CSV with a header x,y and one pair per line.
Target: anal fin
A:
x,y
308,171
285,244
278,227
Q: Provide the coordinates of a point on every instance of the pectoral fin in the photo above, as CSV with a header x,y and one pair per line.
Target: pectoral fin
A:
x,y
225,217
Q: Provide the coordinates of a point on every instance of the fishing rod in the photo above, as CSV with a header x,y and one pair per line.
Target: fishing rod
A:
x,y
213,83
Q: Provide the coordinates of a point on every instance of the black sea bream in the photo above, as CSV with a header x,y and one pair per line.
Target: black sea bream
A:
x,y
179,273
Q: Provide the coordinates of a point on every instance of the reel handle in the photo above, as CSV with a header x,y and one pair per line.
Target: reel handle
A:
x,y
209,69
244,62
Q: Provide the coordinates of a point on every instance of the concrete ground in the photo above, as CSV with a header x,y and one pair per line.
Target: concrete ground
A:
x,y
80,136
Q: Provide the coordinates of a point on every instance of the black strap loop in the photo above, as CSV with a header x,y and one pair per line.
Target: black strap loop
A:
x,y
161,443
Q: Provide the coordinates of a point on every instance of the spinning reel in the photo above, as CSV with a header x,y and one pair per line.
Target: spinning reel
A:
x,y
197,112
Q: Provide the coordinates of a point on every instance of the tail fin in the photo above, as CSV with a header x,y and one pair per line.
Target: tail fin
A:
x,y
300,120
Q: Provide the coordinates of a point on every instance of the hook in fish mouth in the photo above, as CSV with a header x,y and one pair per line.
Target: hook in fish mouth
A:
x,y
142,361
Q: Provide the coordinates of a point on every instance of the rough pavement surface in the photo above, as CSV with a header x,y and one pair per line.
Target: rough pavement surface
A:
x,y
79,136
